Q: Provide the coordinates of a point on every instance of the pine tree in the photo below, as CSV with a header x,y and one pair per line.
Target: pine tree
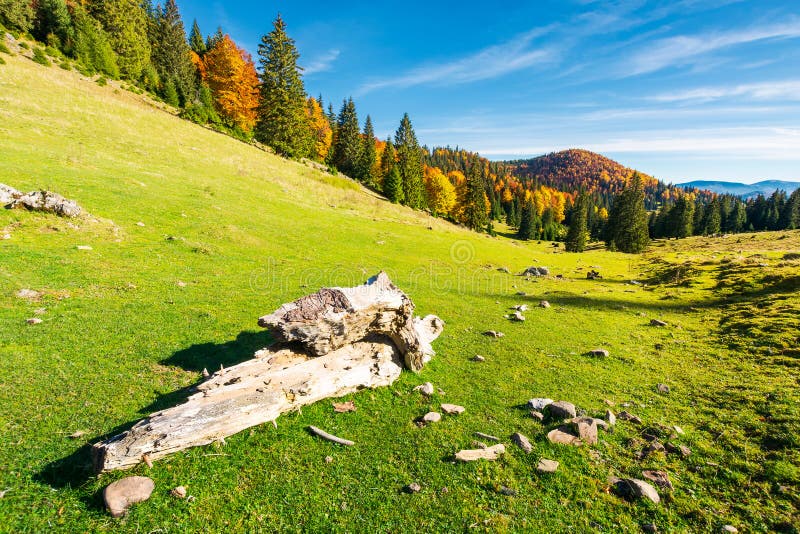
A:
x,y
409,161
53,24
682,217
526,222
627,222
212,40
347,146
368,155
282,122
392,182
92,47
124,22
578,233
713,219
475,216
196,42
171,53
16,14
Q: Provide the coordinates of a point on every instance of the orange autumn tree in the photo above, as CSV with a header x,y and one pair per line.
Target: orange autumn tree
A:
x,y
440,193
321,131
231,76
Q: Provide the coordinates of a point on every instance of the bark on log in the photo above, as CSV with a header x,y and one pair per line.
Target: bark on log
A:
x,y
284,377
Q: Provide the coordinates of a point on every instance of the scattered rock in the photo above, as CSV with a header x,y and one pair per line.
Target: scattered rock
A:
x,y
611,418
560,410
426,389
46,201
563,435
40,311
522,441
478,358
586,428
547,466
657,322
179,492
344,407
479,444
84,247
181,283
29,294
413,488
452,409
663,389
544,304
625,416
520,293
659,478
520,307
653,447
609,402
122,494
683,450
599,353
505,490
431,417
539,416
492,333
77,434
729,528
593,275
6,236
631,488
601,423
539,404
678,429
489,453
34,321
650,528
140,223
329,459
536,271
517,316
503,270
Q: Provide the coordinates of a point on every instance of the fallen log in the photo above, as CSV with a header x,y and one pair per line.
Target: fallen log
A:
x,y
285,376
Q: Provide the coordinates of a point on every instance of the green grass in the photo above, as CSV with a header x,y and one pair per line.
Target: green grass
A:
x,y
247,231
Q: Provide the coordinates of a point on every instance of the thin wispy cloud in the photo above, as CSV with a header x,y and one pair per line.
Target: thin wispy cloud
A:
x,y
491,62
681,50
322,63
788,90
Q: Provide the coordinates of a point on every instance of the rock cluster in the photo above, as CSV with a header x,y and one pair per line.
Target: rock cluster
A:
x,y
45,201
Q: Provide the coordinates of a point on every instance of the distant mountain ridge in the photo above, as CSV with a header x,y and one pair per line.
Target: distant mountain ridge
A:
x,y
766,187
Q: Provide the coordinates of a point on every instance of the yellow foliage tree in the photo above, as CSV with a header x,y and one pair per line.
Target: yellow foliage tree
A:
x,y
440,193
320,129
231,76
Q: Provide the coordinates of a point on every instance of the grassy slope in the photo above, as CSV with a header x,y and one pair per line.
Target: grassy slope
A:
x,y
120,339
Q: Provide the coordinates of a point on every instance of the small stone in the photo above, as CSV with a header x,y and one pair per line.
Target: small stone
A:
x,y
140,223
586,428
521,293
453,409
517,317
663,389
521,307
563,435
503,270
625,416
560,410
505,490
547,466
683,450
539,404
679,430
609,403
539,416
413,488
479,444
611,418
659,478
636,489
40,311
29,294
599,353
122,494
34,321
653,447
492,333
179,492
329,459
77,434
6,236
426,389
489,453
344,407
657,322
522,441
181,283
432,417
650,528
478,358
729,528
84,247
544,304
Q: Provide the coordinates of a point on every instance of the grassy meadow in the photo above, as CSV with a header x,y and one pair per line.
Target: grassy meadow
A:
x,y
194,235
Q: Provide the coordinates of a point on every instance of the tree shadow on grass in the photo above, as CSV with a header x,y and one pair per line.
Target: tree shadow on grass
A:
x,y
77,468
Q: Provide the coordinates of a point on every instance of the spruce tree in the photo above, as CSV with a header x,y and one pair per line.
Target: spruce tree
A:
x,y
682,218
125,22
577,236
170,52
53,24
282,122
409,162
475,199
713,218
196,42
369,155
392,182
627,222
212,40
347,146
92,47
17,14
526,222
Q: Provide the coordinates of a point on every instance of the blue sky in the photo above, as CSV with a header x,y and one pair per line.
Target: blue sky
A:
x,y
680,89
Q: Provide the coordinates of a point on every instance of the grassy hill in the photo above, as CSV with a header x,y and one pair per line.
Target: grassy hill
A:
x,y
230,232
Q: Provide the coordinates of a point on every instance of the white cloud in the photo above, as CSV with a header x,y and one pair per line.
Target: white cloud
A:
x,y
491,62
788,90
322,63
684,49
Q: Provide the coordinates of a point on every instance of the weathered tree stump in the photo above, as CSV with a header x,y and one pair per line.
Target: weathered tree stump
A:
x,y
344,340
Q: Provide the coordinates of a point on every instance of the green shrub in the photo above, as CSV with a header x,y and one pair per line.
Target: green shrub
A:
x,y
24,45
102,81
170,95
40,57
2,61
3,48
65,65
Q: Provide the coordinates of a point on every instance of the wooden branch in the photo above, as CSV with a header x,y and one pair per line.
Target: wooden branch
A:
x,y
330,437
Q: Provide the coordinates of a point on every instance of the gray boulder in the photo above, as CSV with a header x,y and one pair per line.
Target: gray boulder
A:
x,y
536,271
561,410
122,494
